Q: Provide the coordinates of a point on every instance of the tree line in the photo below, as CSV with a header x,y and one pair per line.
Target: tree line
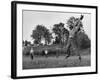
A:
x,y
61,32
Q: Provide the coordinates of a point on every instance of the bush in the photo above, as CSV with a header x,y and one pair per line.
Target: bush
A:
x,y
82,40
26,50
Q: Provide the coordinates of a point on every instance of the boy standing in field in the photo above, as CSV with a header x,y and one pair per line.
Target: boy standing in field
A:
x,y
31,53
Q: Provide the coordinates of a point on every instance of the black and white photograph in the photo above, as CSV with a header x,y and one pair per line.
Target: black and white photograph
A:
x,y
54,39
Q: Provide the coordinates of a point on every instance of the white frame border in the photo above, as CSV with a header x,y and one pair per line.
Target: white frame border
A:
x,y
52,71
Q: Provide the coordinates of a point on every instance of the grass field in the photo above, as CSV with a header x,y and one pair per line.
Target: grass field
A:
x,y
54,62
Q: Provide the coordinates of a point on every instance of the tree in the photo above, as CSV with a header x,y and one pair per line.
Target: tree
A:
x,y
40,33
26,43
60,32
47,36
73,22
36,36
83,40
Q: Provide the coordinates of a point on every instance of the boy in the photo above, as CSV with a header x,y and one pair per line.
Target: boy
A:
x,y
31,53
72,33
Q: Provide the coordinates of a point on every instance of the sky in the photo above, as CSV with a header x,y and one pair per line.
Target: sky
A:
x,y
48,19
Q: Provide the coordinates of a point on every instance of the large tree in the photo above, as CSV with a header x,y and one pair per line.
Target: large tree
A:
x,y
83,40
41,33
61,32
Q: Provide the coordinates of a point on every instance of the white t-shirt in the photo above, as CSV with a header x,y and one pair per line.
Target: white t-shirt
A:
x,y
46,51
31,51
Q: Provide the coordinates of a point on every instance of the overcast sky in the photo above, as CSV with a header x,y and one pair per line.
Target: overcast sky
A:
x,y
48,19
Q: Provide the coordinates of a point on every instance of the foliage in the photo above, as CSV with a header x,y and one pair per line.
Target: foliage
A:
x,y
40,33
73,22
26,50
60,32
84,41
26,42
81,39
